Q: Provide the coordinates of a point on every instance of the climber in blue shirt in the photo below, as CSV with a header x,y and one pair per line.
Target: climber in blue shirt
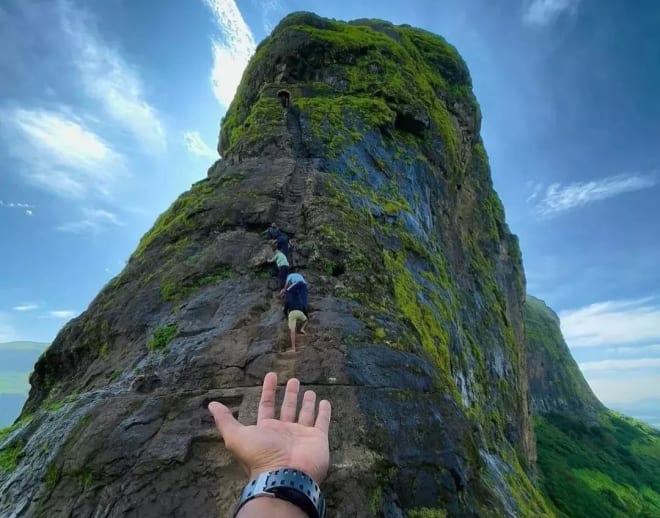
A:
x,y
295,283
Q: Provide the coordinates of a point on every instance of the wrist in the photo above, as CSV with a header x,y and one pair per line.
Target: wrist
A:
x,y
255,472
289,485
272,507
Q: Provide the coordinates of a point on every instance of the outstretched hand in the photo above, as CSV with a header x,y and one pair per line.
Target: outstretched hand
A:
x,y
285,443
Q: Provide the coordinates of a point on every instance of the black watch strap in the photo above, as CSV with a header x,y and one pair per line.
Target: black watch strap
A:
x,y
286,484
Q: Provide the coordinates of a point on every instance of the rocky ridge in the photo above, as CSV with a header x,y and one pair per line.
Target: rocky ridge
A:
x,y
361,140
555,381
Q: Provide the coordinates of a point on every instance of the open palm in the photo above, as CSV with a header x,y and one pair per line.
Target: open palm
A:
x,y
285,443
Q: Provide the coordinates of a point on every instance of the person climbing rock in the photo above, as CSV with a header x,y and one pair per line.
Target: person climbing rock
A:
x,y
296,282
275,452
283,245
272,232
296,311
282,268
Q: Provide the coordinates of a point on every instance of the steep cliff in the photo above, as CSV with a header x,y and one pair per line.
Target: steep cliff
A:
x,y
593,462
361,140
555,381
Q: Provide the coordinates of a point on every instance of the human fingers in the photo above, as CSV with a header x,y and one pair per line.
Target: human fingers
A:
x,y
267,402
290,402
306,416
323,417
228,427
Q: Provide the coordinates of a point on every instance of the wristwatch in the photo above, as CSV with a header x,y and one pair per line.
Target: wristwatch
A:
x,y
287,484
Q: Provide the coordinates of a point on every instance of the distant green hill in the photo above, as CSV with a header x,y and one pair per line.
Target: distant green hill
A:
x,y
593,462
14,382
607,470
17,360
22,346
556,383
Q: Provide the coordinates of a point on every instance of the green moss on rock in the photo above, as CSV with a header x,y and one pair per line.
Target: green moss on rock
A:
x,y
9,456
427,512
52,476
433,337
382,76
179,218
162,337
172,290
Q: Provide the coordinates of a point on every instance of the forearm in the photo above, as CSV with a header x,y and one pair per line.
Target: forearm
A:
x,y
271,507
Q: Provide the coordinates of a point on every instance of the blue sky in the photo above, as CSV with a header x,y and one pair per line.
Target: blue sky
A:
x,y
109,109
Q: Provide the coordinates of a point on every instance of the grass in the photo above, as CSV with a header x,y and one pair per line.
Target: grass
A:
x,y
54,407
427,512
52,476
4,432
162,337
171,290
9,457
610,469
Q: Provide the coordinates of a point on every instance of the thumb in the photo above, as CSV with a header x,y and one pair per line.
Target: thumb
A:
x,y
224,421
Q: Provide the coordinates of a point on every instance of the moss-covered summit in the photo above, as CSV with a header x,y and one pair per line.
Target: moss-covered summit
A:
x,y
350,78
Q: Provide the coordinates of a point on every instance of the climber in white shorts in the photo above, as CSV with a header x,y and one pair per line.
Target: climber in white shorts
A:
x,y
296,311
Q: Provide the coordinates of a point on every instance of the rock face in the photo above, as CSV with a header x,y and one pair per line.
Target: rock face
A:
x,y
555,381
376,168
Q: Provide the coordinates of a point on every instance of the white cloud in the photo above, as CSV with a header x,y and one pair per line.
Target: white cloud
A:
x,y
25,307
12,205
613,390
62,313
611,323
109,79
619,365
60,153
640,349
27,208
536,189
196,145
559,198
542,12
231,52
93,220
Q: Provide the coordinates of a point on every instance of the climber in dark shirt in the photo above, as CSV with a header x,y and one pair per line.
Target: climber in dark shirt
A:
x,y
273,232
283,243
295,282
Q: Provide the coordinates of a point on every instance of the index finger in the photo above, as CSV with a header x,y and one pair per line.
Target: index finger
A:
x,y
267,403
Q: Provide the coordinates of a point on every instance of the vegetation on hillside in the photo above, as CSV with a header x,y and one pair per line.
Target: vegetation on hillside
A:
x,y
592,462
610,469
